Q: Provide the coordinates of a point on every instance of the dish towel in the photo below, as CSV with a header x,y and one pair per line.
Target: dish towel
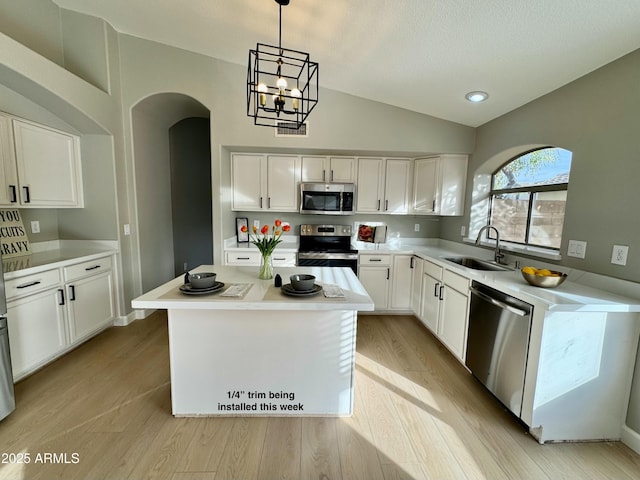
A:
x,y
237,290
332,291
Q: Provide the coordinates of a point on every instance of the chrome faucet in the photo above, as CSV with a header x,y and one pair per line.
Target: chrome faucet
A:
x,y
497,256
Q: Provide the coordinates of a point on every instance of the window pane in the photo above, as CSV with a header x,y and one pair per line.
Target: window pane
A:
x,y
548,166
547,218
509,215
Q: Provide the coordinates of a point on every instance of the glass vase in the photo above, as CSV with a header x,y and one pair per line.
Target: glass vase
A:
x,y
266,267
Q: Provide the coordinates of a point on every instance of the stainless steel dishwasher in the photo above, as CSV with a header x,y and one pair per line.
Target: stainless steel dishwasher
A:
x,y
498,343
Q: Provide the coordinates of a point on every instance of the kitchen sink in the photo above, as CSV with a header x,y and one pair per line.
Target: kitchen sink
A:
x,y
477,264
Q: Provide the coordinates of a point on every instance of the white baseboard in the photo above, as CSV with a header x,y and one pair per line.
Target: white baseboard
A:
x,y
631,439
123,321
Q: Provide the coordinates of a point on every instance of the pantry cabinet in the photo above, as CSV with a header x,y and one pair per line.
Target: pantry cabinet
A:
x,y
383,185
41,166
265,182
328,169
439,184
51,311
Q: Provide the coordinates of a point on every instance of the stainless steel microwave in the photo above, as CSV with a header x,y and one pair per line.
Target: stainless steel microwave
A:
x,y
327,198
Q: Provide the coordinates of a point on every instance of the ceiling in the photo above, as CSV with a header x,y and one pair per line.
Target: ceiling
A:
x,y
421,55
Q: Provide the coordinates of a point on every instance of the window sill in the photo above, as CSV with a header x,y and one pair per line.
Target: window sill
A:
x,y
539,252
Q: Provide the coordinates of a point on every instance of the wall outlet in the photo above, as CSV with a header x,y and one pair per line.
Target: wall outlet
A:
x,y
619,254
416,227
127,229
35,226
463,231
577,248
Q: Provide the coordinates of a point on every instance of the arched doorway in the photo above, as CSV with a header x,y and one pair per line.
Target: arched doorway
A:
x,y
154,162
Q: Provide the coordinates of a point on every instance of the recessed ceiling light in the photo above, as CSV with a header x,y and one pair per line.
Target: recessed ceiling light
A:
x,y
476,97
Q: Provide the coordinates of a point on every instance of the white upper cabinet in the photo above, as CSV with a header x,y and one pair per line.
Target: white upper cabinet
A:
x,y
8,172
265,182
438,185
41,166
383,185
328,169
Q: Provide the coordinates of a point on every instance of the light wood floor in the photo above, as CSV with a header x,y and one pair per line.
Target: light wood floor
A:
x,y
418,415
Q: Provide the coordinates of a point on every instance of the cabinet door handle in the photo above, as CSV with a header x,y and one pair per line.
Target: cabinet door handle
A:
x,y
332,175
282,259
268,202
375,259
441,294
378,205
433,205
30,284
411,262
61,292
435,289
27,196
324,172
92,268
242,258
260,202
386,205
72,293
14,193
388,273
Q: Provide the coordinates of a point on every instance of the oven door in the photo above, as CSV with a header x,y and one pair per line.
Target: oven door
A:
x,y
312,202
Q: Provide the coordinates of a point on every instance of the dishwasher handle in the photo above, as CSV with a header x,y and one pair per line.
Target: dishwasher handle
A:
x,y
498,303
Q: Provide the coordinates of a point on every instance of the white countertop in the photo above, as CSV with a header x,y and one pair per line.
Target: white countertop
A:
x,y
262,295
64,254
569,296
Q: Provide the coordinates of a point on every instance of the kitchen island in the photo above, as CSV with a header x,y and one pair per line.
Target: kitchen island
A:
x,y
262,352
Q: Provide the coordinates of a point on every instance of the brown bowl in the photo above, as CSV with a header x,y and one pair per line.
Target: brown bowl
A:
x,y
302,282
545,281
202,280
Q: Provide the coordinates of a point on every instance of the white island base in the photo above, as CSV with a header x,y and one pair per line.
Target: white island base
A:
x,y
265,354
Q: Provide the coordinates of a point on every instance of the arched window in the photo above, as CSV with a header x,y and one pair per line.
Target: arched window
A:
x,y
528,197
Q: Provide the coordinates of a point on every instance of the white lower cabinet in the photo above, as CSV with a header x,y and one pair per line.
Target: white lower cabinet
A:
x,y
89,305
444,306
401,278
37,331
52,311
387,280
417,272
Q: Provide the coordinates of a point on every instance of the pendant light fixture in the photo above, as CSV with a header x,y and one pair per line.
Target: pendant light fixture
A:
x,y
282,84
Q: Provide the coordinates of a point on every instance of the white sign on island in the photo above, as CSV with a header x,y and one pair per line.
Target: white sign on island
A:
x,y
262,353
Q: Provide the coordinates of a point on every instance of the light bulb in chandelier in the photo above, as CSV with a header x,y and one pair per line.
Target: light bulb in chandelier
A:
x,y
281,84
296,94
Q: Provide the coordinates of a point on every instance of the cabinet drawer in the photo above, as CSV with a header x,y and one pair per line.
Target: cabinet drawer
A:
x,y
83,269
432,269
243,258
374,259
457,282
37,282
284,259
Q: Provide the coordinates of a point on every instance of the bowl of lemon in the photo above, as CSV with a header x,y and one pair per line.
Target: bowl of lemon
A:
x,y
543,277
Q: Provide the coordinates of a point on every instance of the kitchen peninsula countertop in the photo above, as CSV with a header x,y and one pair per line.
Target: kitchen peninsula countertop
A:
x,y
571,295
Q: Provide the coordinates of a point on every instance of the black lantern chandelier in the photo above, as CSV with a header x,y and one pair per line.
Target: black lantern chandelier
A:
x,y
282,84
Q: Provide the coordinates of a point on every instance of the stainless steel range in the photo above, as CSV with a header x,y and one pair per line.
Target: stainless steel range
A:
x,y
327,246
